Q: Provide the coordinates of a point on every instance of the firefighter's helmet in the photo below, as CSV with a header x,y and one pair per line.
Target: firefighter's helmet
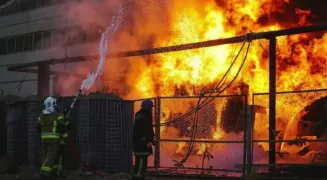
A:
x,y
50,102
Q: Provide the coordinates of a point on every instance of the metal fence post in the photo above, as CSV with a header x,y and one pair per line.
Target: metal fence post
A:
x,y
272,103
157,133
249,138
245,144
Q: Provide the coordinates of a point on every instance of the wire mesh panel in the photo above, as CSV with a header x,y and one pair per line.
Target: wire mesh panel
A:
x,y
300,122
83,131
218,126
33,109
70,161
119,133
209,157
3,128
16,134
105,132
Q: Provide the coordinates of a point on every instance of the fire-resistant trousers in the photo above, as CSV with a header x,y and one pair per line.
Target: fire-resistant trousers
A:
x,y
141,164
59,161
50,155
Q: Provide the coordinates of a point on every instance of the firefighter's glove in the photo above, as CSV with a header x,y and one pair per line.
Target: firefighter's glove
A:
x,y
67,123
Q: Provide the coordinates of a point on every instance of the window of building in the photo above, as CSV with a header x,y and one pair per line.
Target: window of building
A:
x,y
20,40
47,39
84,36
57,38
37,41
28,42
3,46
75,36
42,3
23,5
11,45
88,34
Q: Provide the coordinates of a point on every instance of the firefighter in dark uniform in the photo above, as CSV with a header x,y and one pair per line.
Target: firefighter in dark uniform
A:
x,y
51,125
143,138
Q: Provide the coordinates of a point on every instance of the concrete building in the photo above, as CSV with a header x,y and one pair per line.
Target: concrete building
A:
x,y
38,31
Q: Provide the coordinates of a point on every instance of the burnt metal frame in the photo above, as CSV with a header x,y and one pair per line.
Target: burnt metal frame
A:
x,y
272,166
271,36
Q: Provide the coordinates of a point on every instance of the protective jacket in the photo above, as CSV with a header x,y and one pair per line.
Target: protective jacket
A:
x,y
143,131
51,126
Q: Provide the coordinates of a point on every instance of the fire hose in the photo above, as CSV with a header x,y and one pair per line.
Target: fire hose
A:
x,y
72,146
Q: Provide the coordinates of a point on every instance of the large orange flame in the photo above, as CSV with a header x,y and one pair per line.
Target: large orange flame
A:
x,y
301,59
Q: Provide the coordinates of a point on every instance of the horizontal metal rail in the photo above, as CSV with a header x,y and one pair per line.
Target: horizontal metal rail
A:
x,y
182,47
197,169
299,140
152,98
190,97
289,164
199,141
290,92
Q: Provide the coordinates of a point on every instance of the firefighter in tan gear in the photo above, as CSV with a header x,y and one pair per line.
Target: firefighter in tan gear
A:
x,y
63,144
51,125
143,138
58,167
59,162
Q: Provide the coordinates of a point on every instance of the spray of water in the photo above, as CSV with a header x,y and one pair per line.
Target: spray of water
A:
x,y
106,37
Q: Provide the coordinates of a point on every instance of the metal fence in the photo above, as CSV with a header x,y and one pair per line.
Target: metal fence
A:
x,y
300,134
16,134
218,143
3,128
228,136
100,138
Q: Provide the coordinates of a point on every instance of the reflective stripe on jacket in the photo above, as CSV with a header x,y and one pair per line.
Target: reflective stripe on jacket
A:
x,y
50,136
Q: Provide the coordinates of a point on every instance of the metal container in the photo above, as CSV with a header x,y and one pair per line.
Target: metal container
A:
x,y
105,131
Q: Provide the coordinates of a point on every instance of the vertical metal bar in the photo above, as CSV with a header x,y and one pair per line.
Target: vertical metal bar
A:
x,y
108,108
249,137
272,103
43,85
157,133
88,109
130,125
1,94
252,117
245,141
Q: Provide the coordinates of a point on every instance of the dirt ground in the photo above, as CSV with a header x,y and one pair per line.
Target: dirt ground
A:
x,y
31,173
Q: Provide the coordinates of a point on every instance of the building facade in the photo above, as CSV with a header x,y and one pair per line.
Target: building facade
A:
x,y
36,31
